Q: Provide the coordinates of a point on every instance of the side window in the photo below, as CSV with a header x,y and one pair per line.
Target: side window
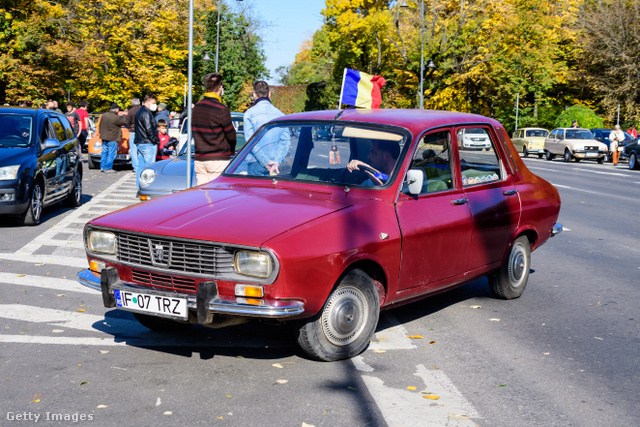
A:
x,y
67,128
433,158
560,134
59,129
520,134
479,160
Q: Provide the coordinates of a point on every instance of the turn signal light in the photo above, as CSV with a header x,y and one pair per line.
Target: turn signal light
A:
x,y
144,198
249,291
96,266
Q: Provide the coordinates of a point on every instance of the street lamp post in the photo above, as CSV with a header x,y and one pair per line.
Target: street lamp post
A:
x,y
422,54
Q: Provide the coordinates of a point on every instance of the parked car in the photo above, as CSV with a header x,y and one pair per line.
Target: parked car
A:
x,y
602,135
530,141
632,152
39,163
123,157
574,143
474,139
326,245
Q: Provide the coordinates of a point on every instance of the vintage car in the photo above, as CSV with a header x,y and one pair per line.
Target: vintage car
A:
x,y
574,143
632,152
530,141
39,163
388,211
94,146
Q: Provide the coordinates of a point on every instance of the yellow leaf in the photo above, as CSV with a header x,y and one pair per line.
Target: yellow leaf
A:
x,y
277,365
494,320
21,275
379,351
81,310
168,412
431,396
418,337
101,406
411,387
432,342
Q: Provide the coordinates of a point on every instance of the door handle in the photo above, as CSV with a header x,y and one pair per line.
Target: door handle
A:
x,y
459,201
510,192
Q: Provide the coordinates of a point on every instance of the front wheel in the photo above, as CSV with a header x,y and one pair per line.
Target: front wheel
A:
x,y
567,156
511,279
601,159
633,161
33,214
525,153
346,323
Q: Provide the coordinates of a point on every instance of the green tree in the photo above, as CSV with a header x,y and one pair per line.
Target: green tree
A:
x,y
586,117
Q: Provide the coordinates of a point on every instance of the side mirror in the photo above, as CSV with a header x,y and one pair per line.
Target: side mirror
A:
x,y
51,143
415,179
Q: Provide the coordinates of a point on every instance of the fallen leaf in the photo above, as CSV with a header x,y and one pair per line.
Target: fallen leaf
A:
x,y
417,337
595,305
168,412
60,295
39,265
411,388
379,351
432,342
221,418
307,425
382,338
352,388
435,367
277,365
81,310
282,381
79,364
104,351
475,306
228,395
431,396
21,275
36,398
84,382
494,320
501,385
546,354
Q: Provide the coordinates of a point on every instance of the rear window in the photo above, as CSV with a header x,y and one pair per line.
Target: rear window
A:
x,y
537,133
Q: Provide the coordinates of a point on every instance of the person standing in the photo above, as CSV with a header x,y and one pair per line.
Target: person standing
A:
x,y
633,132
74,118
163,113
615,138
84,123
266,156
212,130
131,125
111,134
574,124
146,139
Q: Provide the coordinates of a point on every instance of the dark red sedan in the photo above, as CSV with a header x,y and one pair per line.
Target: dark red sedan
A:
x,y
325,233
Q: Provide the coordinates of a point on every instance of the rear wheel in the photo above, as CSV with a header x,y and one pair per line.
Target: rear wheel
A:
x,y
633,161
567,156
75,195
549,155
509,282
33,214
525,153
346,323
160,324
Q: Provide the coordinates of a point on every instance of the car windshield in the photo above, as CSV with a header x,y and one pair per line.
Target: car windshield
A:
x,y
302,152
16,130
578,134
539,133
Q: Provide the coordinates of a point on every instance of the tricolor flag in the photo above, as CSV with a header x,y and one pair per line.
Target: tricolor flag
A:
x,y
361,89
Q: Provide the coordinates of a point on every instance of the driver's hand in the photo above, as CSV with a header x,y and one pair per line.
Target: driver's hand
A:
x,y
272,167
353,165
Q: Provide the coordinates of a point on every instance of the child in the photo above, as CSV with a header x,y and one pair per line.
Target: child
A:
x,y
164,138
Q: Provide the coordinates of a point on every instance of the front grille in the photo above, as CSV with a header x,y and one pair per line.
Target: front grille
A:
x,y
165,281
591,148
175,255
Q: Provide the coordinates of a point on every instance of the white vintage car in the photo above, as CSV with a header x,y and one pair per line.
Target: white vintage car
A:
x,y
574,143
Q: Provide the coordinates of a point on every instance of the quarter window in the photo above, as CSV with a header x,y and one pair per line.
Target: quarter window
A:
x,y
57,126
479,161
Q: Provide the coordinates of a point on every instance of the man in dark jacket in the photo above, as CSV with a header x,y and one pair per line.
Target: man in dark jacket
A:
x,y
213,131
146,139
110,133
131,125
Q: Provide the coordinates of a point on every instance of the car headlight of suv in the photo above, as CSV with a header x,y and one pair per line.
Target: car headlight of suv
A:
x,y
9,172
255,264
147,177
102,242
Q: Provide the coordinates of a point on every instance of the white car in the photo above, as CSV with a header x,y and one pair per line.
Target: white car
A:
x,y
474,139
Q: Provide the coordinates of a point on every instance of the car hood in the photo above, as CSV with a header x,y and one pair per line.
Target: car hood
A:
x,y
14,156
245,216
173,167
587,142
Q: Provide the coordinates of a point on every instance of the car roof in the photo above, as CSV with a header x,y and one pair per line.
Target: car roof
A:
x,y
533,129
21,110
414,120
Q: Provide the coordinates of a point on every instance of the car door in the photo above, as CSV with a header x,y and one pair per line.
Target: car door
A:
x,y
61,160
71,150
47,158
489,189
436,224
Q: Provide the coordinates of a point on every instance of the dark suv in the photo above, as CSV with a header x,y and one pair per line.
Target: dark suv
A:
x,y
40,163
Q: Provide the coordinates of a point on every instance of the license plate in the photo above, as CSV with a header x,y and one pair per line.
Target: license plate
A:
x,y
122,156
143,302
591,154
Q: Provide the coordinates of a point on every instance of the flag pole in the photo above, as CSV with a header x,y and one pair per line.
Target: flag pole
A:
x,y
344,74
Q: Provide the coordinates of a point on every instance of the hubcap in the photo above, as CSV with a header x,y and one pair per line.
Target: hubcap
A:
x,y
36,202
517,266
632,161
345,316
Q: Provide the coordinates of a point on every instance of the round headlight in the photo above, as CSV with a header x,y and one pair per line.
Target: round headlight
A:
x,y
97,146
255,264
147,177
102,241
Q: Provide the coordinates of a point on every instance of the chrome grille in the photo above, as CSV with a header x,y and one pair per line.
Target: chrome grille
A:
x,y
165,281
175,255
591,148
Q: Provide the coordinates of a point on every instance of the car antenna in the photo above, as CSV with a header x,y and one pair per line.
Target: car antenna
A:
x,y
339,114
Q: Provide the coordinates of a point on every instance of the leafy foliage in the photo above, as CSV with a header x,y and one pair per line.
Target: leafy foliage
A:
x,y
585,116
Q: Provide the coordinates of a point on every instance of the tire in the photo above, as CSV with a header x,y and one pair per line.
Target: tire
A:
x,y
550,156
567,156
33,214
511,279
346,323
525,153
540,156
74,198
160,324
601,159
91,163
633,161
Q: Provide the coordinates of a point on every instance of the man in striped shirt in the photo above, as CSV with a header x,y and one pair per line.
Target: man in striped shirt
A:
x,y
213,131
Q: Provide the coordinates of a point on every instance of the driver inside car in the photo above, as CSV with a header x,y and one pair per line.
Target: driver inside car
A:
x,y
382,158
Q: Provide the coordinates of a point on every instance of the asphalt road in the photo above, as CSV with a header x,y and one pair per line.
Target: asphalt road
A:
x,y
565,353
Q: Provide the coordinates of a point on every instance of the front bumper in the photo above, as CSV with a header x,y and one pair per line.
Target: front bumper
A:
x,y
556,229
582,154
210,302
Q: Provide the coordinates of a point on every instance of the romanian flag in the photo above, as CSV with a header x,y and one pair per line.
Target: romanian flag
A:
x,y
361,89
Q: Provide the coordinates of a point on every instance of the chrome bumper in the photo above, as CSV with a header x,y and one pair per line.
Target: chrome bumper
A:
x,y
557,229
213,303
